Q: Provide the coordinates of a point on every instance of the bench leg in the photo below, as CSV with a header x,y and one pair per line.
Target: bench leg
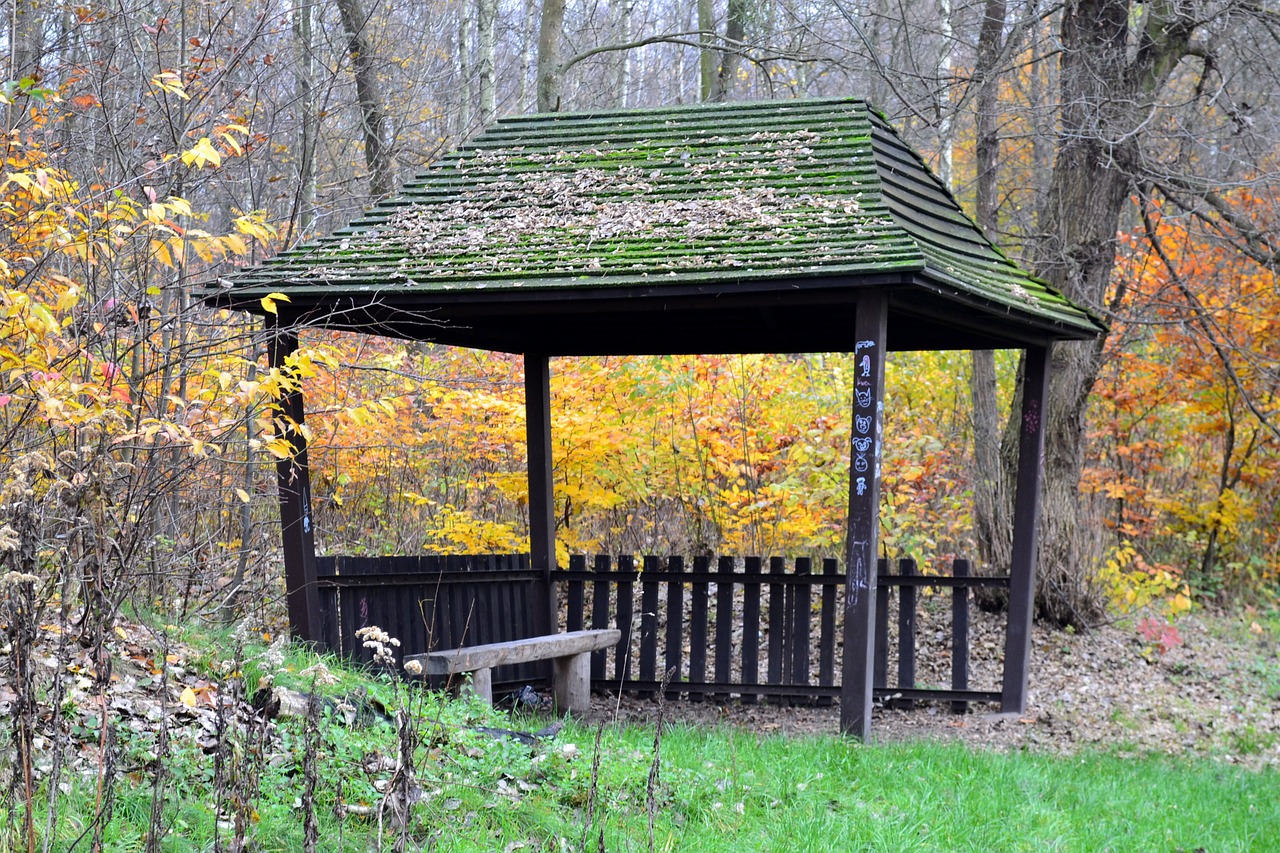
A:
x,y
482,684
571,683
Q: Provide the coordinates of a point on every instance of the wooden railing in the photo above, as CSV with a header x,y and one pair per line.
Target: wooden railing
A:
x,y
752,628
702,629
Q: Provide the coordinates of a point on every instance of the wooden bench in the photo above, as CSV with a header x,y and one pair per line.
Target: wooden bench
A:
x,y
570,654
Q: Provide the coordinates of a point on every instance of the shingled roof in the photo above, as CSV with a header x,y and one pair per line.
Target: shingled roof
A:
x,y
736,227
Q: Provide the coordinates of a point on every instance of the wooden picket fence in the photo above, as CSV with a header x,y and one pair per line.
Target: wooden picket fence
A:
x,y
706,629
752,628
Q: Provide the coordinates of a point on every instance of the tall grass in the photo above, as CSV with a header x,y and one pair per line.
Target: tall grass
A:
x,y
418,775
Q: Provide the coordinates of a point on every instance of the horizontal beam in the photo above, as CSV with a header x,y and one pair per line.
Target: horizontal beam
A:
x,y
613,685
432,577
943,581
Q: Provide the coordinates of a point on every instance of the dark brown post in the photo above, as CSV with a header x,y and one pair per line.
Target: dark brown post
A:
x,y
542,502
649,623
293,479
751,568
698,627
675,625
1026,517
906,633
880,677
960,634
870,327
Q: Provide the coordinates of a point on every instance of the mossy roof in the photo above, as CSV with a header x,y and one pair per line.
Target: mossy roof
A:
x,y
660,209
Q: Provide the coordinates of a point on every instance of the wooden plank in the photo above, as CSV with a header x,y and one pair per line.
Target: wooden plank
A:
x,y
715,576
777,621
960,635
675,626
600,588
726,619
881,676
698,626
906,634
751,568
648,625
943,581
870,325
1026,512
783,690
800,624
827,630
575,594
625,616
489,655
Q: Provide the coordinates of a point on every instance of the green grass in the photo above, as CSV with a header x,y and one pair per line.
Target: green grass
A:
x,y
716,789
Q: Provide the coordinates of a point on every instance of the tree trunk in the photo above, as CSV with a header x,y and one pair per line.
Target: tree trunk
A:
x,y
707,55
373,116
465,94
309,124
486,20
992,489
735,30
26,38
1113,64
550,32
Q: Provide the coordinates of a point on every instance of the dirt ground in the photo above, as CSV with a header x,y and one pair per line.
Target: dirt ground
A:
x,y
1216,693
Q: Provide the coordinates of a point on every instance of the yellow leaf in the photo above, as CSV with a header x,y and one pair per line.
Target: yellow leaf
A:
x,y
162,252
269,302
243,495
202,154
188,697
235,244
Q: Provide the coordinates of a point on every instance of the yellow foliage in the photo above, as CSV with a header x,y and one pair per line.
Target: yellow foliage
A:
x,y
1131,584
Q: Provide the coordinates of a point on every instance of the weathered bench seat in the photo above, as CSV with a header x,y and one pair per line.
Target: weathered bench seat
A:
x,y
570,654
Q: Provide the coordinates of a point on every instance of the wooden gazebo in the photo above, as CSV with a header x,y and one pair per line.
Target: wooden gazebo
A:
x,y
800,226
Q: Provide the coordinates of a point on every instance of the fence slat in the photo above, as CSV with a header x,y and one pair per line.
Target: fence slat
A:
x,y
827,630
777,622
750,628
675,627
800,625
648,625
725,620
906,633
626,608
960,635
698,626
575,594
880,674
600,588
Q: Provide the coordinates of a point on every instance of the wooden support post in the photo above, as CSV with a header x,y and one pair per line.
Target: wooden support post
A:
x,y
1026,518
542,501
293,480
870,326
